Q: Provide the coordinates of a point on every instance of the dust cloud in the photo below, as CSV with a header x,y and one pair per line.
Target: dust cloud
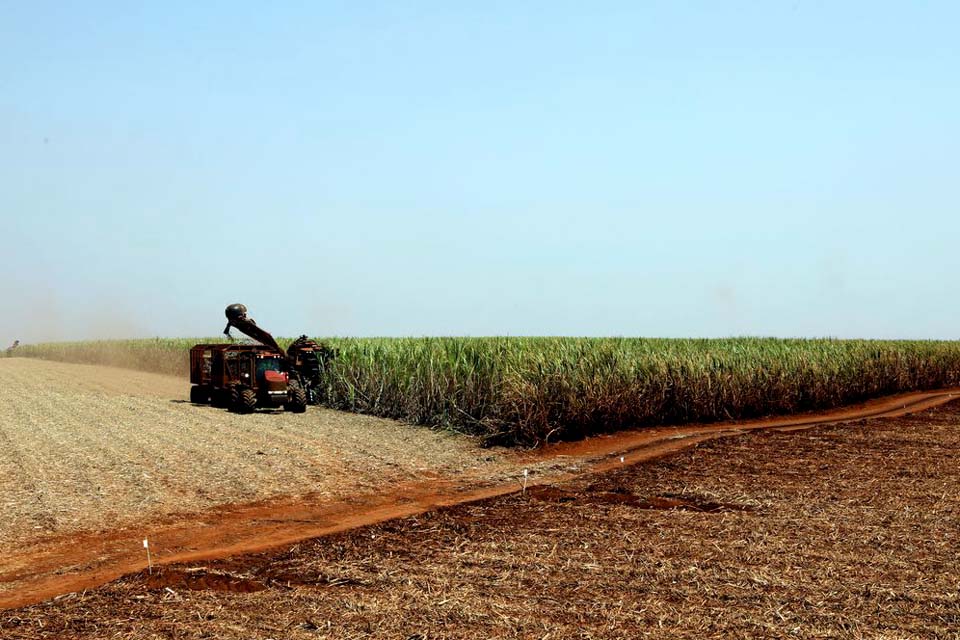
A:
x,y
39,315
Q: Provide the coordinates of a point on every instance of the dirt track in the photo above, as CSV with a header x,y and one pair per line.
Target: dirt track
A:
x,y
327,472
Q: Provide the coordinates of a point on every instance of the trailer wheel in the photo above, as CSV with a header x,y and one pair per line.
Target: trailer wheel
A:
x,y
297,398
199,394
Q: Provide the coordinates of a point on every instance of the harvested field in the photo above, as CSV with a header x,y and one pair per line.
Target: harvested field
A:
x,y
86,448
841,532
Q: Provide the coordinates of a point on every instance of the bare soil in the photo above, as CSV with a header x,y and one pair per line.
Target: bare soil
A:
x,y
848,531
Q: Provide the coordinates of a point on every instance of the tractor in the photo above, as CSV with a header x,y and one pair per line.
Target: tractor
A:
x,y
243,377
247,376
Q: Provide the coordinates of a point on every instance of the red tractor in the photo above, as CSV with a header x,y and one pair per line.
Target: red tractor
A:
x,y
247,376
244,377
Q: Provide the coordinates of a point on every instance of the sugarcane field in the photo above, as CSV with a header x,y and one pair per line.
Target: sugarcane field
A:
x,y
472,321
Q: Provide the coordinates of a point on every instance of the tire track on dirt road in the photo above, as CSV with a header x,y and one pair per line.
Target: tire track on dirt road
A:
x,y
79,562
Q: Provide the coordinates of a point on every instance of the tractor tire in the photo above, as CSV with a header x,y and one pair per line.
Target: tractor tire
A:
x,y
296,398
248,400
243,400
199,394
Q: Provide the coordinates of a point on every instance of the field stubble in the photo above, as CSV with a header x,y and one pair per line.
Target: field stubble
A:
x,y
839,532
88,448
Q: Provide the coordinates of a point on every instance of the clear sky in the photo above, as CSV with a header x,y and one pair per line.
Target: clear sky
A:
x,y
449,168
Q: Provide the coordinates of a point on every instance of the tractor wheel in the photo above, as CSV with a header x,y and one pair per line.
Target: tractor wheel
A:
x,y
248,400
199,394
296,398
242,400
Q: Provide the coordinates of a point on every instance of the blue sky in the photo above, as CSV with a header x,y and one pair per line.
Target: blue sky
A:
x,y
435,168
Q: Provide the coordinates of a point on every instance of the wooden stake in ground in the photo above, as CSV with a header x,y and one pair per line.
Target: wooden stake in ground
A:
x,y
146,545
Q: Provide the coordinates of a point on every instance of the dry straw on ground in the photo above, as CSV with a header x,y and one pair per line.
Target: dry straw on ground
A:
x,y
88,448
844,532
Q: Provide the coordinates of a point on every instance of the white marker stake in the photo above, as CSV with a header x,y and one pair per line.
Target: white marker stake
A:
x,y
146,545
525,472
621,459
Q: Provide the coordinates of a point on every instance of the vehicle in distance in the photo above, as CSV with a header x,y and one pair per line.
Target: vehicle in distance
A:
x,y
244,377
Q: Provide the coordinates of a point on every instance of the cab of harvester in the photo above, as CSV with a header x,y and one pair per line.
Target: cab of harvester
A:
x,y
243,377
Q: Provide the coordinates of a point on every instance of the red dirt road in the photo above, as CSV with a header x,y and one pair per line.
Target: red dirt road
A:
x,y
76,562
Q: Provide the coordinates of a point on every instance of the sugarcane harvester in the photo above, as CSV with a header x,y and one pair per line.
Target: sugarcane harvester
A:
x,y
245,377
